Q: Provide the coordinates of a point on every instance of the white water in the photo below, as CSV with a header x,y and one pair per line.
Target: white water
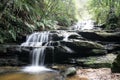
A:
x,y
36,39
35,69
38,55
83,25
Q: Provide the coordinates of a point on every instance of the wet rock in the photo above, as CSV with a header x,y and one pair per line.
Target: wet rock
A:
x,y
70,71
61,54
101,36
9,55
56,37
96,61
85,48
73,35
113,47
84,44
111,37
24,56
116,64
14,55
7,48
97,52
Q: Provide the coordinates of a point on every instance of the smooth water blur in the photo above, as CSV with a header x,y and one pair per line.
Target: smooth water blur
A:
x,y
83,25
35,69
26,76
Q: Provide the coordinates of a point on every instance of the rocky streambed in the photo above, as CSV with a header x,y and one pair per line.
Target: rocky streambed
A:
x,y
94,74
88,49
62,72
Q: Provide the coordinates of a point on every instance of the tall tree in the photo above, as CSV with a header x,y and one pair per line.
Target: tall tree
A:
x,y
105,11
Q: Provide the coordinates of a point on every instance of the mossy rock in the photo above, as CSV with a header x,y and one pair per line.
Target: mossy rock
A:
x,y
84,48
116,64
88,44
82,44
97,61
98,52
101,36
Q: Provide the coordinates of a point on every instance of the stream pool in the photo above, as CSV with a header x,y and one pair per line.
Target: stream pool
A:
x,y
19,75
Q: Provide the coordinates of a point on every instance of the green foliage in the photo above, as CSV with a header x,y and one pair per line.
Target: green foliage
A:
x,y
63,21
21,17
106,12
45,24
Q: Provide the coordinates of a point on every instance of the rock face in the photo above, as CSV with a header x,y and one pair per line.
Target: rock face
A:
x,y
9,55
68,47
97,62
85,48
101,36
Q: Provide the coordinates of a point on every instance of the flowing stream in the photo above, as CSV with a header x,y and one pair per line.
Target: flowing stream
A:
x,y
38,54
39,41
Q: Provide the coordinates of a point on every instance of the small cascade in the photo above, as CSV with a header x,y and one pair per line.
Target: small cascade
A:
x,y
66,35
40,42
83,25
36,39
38,55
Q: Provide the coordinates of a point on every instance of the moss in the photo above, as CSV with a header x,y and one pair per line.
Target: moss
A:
x,y
97,61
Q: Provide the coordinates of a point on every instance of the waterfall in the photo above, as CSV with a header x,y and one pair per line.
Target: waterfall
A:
x,y
83,25
39,41
36,39
38,55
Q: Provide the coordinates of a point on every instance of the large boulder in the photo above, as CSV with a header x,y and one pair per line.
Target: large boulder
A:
x,y
57,54
81,44
70,71
85,48
56,37
96,61
116,64
101,36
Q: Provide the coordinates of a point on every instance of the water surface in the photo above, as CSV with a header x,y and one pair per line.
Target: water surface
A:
x,y
11,74
28,76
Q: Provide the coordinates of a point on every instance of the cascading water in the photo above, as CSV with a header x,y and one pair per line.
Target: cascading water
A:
x,y
36,39
38,55
83,25
39,41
